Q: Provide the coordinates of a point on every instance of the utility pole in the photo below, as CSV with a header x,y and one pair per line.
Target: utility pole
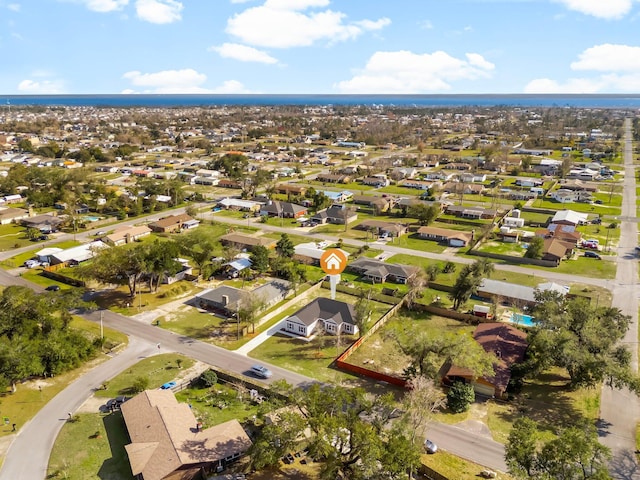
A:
x,y
101,327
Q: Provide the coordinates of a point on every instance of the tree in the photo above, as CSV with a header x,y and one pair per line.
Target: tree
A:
x,y
466,285
140,384
582,339
161,260
460,396
565,167
32,233
421,402
362,311
248,308
520,449
416,285
575,454
535,248
432,271
209,378
260,259
425,214
197,245
284,246
449,267
427,349
123,265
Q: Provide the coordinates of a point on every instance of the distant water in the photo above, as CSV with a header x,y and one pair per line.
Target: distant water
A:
x,y
579,101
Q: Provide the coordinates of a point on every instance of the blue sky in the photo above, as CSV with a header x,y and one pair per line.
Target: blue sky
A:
x,y
319,46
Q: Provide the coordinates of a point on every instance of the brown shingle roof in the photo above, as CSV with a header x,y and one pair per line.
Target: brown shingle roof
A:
x,y
164,436
171,220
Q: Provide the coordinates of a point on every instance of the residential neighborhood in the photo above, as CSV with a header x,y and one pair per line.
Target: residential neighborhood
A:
x,y
474,253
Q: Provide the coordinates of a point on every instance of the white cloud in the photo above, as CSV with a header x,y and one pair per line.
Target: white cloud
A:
x,y
408,72
607,9
104,6
425,24
617,67
168,81
231,86
243,53
40,87
177,81
609,58
159,11
14,7
282,24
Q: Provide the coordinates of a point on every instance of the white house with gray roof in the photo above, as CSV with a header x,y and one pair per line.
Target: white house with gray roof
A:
x,y
334,316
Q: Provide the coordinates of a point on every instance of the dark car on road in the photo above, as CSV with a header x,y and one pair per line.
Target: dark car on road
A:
x,y
52,288
592,255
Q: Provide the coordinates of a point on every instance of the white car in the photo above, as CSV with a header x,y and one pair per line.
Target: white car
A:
x,y
260,371
32,263
430,447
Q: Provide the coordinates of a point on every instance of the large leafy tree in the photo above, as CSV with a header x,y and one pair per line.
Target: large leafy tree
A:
x,y
425,214
199,246
350,430
35,337
285,246
575,454
535,248
428,350
469,280
582,339
161,260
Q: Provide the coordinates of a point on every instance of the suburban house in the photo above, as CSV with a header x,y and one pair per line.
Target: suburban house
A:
x,y
464,188
247,242
127,234
174,223
569,217
418,184
76,255
378,204
333,316
185,270
45,223
453,238
333,178
376,182
379,272
226,300
555,250
508,344
228,183
513,222
289,189
566,233
237,265
238,204
167,442
338,197
10,215
521,295
383,228
339,214
474,213
571,196
274,208
311,252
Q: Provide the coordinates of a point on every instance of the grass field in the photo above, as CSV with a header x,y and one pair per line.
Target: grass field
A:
x,y
158,369
91,446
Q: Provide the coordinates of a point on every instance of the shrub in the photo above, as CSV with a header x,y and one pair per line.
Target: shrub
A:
x,y
460,396
140,384
209,378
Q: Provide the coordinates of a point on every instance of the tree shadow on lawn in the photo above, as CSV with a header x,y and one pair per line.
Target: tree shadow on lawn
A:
x,y
545,400
117,467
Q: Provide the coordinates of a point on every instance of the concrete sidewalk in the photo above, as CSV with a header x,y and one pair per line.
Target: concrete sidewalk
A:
x,y
255,342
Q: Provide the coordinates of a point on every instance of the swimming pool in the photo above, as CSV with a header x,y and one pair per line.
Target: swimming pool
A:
x,y
90,218
522,319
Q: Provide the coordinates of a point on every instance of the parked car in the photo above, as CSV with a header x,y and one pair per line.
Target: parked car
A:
x,y
167,386
261,371
52,288
592,255
32,263
430,447
100,233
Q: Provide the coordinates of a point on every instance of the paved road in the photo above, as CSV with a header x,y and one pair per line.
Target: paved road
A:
x,y
28,455
620,409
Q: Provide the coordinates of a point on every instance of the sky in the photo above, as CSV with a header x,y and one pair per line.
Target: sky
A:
x,y
319,46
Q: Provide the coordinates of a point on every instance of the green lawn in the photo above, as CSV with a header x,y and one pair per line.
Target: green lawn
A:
x,y
91,446
414,242
399,190
12,236
579,207
582,266
158,369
